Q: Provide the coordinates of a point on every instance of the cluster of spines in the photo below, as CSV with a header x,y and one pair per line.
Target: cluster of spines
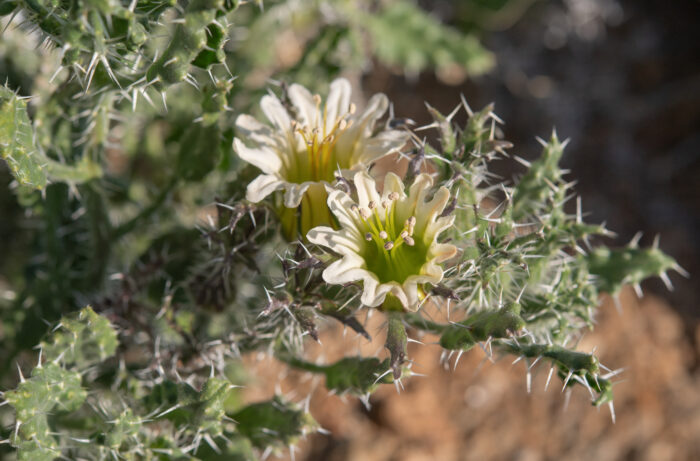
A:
x,y
528,252
103,45
160,415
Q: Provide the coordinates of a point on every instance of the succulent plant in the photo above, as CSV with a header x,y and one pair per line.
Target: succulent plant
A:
x,y
121,126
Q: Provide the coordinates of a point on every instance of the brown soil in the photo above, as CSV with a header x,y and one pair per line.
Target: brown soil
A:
x,y
482,410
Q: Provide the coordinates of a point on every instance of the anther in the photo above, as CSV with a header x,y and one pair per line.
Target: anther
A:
x,y
317,99
409,241
411,224
354,208
383,235
342,125
368,236
385,204
371,205
394,196
404,234
365,213
353,108
388,245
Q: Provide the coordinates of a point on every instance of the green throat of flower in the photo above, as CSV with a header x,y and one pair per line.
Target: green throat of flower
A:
x,y
392,252
312,211
319,160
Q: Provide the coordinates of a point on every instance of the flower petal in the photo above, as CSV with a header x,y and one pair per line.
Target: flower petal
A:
x,y
416,193
275,112
377,105
433,229
262,186
366,189
337,103
262,157
410,289
392,183
426,212
383,144
373,293
304,102
251,129
346,270
342,242
440,252
340,205
294,193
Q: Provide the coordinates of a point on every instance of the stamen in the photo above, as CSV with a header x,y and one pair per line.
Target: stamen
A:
x,y
388,245
353,108
368,236
354,208
394,196
371,205
365,213
404,234
411,224
409,241
383,235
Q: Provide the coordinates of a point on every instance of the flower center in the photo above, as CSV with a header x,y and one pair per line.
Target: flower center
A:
x,y
319,160
391,252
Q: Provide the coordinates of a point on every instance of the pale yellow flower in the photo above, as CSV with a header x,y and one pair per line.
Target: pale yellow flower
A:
x,y
389,242
307,146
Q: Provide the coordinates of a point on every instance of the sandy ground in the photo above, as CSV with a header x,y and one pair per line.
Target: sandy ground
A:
x,y
482,410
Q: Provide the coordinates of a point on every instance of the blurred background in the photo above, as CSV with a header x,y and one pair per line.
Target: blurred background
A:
x,y
621,80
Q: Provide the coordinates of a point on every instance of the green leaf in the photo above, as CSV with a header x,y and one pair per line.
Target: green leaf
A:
x,y
533,189
82,339
273,423
614,268
355,375
404,35
17,141
184,405
492,323
50,389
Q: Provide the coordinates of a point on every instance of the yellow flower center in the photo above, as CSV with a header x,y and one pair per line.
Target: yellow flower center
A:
x,y
319,161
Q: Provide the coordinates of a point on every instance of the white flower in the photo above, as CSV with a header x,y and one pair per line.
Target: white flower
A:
x,y
306,147
388,242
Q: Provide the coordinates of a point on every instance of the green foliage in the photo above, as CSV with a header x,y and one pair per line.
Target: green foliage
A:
x,y
403,35
614,267
273,423
82,339
526,255
17,141
50,389
481,326
347,35
171,418
55,387
535,187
